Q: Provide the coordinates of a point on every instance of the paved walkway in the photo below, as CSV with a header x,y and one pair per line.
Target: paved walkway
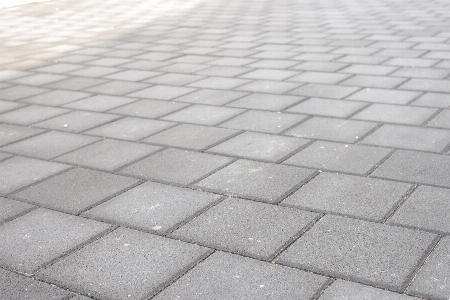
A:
x,y
225,149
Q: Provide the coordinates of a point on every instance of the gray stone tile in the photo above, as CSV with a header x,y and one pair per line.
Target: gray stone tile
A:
x,y
15,286
132,75
433,100
369,69
107,154
97,71
56,97
339,157
59,68
46,235
410,62
109,61
144,65
347,131
76,190
442,120
174,79
153,207
273,64
117,87
149,108
129,128
6,75
319,77
141,262
224,71
265,86
162,92
13,133
18,172
327,107
265,101
259,146
211,97
100,103
250,279
384,82
232,61
427,85
270,74
324,91
348,290
31,114
49,145
17,92
360,197
320,66
219,83
176,166
11,208
246,227
416,167
76,83
371,253
433,278
432,73
384,96
263,121
400,114
191,136
39,79
427,208
182,68
203,115
256,180
407,137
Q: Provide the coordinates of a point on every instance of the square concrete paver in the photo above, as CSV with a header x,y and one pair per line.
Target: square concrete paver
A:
x,y
153,207
433,279
12,208
259,146
256,180
249,279
75,190
44,236
176,166
107,154
246,227
124,264
371,253
359,197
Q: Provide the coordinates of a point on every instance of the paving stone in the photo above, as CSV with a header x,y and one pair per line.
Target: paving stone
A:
x,y
12,208
384,96
256,180
431,73
59,68
15,286
219,83
75,190
56,97
269,74
20,91
76,83
231,61
362,59
182,68
129,128
273,64
46,235
13,133
31,114
433,100
360,197
191,136
117,87
174,79
224,71
149,108
203,115
348,131
265,101
248,277
259,146
417,167
246,227
327,107
356,159
49,145
319,77
100,103
162,92
211,97
433,278
6,75
176,166
39,79
406,137
385,113
265,86
342,289
107,154
442,120
97,71
124,264
324,91
144,65
109,61
269,122
132,75
320,66
385,82
427,208
153,207
427,85
369,69
375,254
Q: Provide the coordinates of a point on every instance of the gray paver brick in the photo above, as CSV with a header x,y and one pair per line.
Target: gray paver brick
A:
x,y
269,74
174,79
371,253
361,197
219,83
45,235
384,96
162,92
433,100
339,157
117,87
75,190
324,91
369,69
250,279
39,79
100,103
203,115
399,114
176,166
13,133
427,85
11,208
442,120
224,71
93,72
250,179
327,107
422,73
265,86
76,83
265,101
15,286
132,75
211,97
433,278
246,227
107,154
56,97
417,167
148,108
385,82
319,66
153,207
31,114
319,77
124,264
8,105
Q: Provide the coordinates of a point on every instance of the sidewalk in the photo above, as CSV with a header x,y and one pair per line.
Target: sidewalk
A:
x,y
213,149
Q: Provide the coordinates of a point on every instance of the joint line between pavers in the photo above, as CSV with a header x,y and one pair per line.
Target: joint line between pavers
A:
x,y
399,203
18,215
380,162
325,287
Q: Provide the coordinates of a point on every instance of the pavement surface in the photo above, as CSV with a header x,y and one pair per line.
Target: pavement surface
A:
x,y
220,149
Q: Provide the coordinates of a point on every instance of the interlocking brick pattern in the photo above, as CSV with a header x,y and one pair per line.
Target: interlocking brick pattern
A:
x,y
225,150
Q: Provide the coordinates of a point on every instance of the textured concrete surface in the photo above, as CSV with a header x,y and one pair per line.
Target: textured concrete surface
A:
x,y
225,150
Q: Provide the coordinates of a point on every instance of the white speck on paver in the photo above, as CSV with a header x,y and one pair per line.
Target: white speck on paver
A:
x,y
156,227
